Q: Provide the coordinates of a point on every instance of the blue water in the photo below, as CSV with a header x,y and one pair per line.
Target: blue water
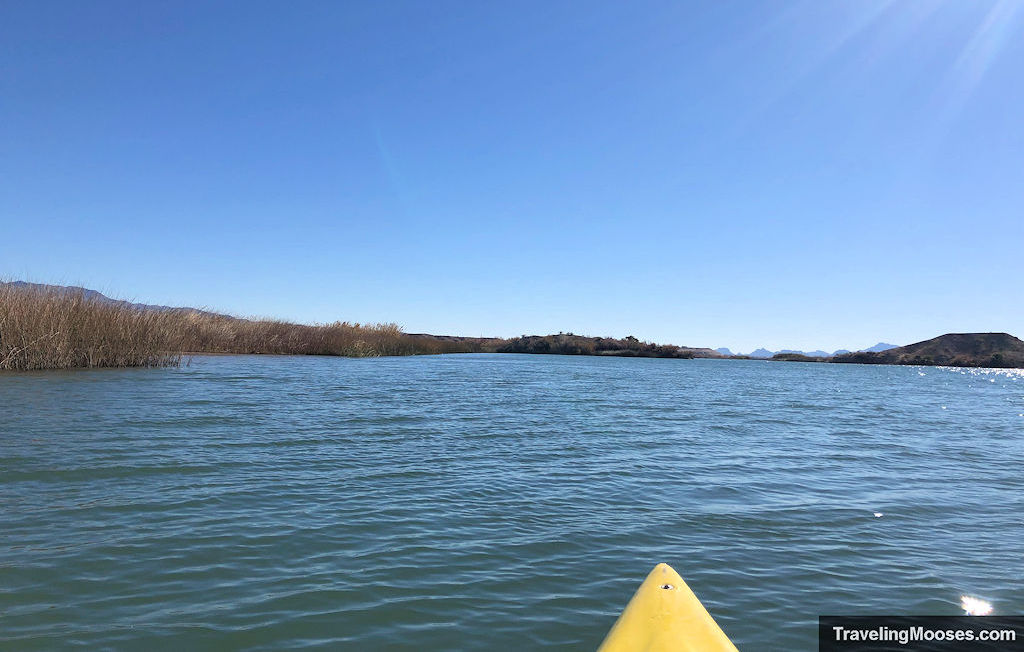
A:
x,y
491,502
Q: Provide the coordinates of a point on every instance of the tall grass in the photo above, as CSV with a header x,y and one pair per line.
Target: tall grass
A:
x,y
42,328
61,328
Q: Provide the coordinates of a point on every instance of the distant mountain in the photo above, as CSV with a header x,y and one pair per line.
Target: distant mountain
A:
x,y
94,295
813,354
724,351
952,349
878,348
73,289
798,357
765,353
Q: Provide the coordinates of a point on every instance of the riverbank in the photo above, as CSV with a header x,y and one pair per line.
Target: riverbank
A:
x,y
993,350
627,347
59,327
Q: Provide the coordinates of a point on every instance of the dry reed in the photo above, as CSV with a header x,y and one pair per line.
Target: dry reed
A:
x,y
44,327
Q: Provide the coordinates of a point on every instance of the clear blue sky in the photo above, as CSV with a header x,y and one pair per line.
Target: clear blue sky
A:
x,y
779,174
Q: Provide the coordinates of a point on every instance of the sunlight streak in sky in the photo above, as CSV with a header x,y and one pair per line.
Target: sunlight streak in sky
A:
x,y
791,20
986,42
979,54
883,30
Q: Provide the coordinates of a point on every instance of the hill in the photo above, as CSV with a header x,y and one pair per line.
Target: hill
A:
x,y
91,295
952,349
881,346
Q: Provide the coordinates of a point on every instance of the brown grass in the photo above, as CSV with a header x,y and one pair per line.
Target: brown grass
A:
x,y
61,328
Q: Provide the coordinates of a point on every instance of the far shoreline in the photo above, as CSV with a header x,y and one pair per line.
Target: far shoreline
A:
x,y
59,327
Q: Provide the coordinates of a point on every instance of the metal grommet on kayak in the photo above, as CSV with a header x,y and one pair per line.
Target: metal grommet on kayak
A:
x,y
665,615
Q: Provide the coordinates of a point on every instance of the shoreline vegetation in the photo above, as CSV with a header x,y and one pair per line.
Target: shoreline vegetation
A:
x,y
54,327
58,327
571,344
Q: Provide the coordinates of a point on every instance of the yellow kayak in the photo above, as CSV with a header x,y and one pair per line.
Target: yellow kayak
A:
x,y
664,614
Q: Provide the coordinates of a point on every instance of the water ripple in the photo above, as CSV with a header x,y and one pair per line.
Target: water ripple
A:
x,y
486,502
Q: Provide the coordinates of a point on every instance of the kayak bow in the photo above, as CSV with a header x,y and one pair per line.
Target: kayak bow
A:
x,y
665,615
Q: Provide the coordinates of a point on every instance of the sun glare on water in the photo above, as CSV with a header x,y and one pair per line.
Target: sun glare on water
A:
x,y
975,606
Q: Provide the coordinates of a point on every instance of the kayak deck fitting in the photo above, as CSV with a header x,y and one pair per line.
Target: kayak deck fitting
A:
x,y
665,615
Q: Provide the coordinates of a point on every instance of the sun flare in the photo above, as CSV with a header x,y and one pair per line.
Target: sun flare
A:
x,y
975,606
